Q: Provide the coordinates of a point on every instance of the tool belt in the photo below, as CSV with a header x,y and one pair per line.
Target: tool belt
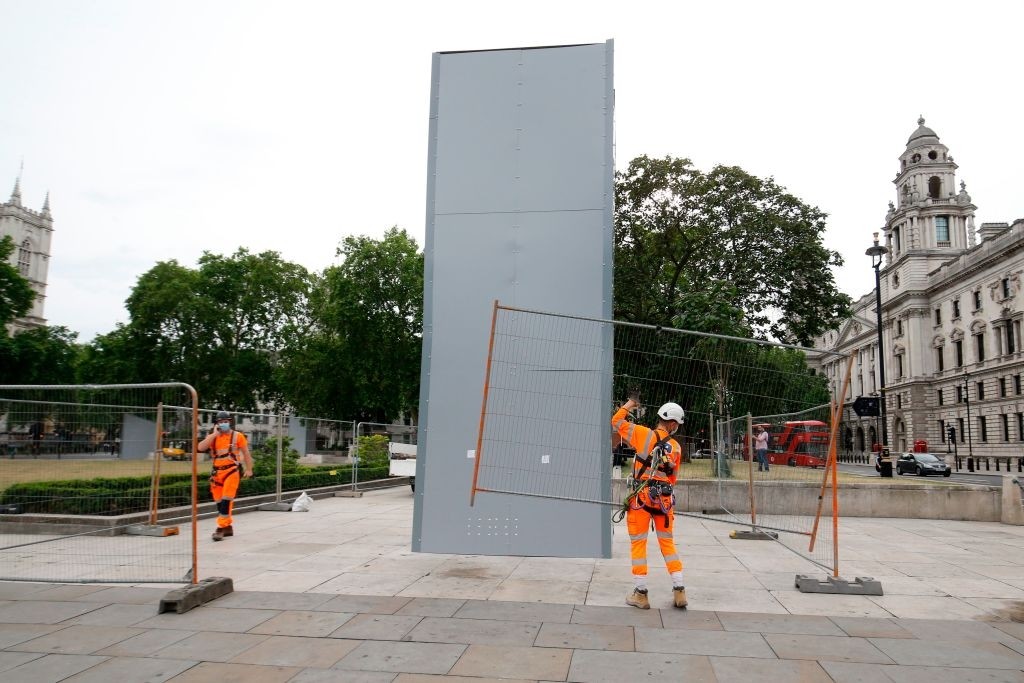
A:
x,y
224,467
656,497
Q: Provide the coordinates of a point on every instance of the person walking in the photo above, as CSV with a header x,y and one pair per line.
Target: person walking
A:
x,y
651,501
761,448
226,445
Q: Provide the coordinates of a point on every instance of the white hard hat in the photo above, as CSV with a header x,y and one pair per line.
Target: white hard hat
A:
x,y
671,411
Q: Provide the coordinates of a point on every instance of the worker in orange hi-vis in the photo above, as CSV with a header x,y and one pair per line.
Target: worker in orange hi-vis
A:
x,y
231,462
651,501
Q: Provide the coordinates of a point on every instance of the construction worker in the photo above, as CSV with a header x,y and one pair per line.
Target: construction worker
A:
x,y
652,502
227,445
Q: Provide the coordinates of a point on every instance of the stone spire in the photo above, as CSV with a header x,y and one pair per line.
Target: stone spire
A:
x,y
46,204
16,194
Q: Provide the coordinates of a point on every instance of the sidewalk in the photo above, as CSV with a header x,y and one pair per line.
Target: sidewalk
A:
x,y
335,595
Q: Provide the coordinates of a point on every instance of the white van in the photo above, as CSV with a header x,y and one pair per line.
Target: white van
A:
x,y
402,458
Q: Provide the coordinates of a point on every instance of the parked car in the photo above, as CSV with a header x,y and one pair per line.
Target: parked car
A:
x,y
921,464
704,453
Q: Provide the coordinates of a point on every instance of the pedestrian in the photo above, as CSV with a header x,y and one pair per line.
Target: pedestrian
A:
x,y
228,470
655,468
761,448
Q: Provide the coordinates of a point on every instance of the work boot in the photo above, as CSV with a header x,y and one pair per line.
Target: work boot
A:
x,y
223,532
679,596
638,598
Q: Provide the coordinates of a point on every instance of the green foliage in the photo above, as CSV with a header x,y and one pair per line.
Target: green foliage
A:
x,y
16,295
42,355
264,457
361,357
694,245
373,452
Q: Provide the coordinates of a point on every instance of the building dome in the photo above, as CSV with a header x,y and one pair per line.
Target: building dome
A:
x,y
923,135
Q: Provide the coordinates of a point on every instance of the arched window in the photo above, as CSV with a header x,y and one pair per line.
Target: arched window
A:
x,y
860,439
24,257
901,434
934,187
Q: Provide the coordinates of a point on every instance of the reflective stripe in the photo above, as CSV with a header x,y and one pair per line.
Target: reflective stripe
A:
x,y
671,558
618,424
647,444
638,537
664,534
639,562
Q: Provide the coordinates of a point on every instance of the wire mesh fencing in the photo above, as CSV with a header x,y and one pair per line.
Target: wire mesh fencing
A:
x,y
546,418
97,483
384,450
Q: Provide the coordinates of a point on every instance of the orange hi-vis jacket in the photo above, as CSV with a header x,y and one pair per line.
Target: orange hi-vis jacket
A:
x,y
643,439
225,451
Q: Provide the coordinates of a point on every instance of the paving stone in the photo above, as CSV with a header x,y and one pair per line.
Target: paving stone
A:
x,y
134,669
303,623
1015,629
434,586
950,629
616,616
743,670
697,642
211,619
377,627
691,619
431,607
125,595
515,611
146,643
585,636
12,634
732,600
976,654
273,600
430,678
9,660
214,672
317,653
416,658
927,607
847,672
474,631
115,615
50,668
593,666
530,663
42,611
861,627
366,583
369,604
779,623
832,648
67,592
335,676
78,640
549,592
18,590
210,647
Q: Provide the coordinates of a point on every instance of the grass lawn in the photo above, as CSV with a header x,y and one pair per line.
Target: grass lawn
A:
x,y
20,471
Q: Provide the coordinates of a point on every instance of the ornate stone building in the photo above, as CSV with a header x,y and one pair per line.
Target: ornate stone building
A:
x,y
31,232
952,309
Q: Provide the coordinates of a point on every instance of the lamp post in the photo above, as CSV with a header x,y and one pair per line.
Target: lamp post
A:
x,y
967,398
876,252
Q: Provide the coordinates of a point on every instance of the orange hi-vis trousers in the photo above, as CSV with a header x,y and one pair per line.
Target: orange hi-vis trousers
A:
x,y
638,522
223,488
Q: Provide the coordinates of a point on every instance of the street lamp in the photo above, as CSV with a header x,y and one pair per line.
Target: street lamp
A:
x,y
876,252
967,398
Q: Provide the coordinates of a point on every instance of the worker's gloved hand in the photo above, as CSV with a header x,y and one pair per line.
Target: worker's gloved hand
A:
x,y
633,394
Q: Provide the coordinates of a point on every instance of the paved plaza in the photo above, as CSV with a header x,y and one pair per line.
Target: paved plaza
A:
x,y
335,594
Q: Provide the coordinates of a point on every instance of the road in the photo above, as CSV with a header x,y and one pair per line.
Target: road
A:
x,y
991,478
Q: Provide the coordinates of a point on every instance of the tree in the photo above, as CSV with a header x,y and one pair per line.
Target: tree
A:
x,y
219,327
16,293
679,232
361,358
41,355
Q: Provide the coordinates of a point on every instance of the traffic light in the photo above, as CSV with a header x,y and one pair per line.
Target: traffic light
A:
x,y
951,433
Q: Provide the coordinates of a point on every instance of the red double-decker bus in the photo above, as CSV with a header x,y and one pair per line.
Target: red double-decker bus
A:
x,y
798,443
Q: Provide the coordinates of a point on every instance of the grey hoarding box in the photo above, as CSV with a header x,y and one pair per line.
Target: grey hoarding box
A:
x,y
519,209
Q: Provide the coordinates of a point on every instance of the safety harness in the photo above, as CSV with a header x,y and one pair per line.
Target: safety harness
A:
x,y
221,472
655,492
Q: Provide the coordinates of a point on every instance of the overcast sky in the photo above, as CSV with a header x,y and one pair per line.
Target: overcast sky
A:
x,y
162,129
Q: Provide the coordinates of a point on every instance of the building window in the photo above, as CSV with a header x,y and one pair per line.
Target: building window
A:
x,y
958,352
1006,427
942,431
1016,384
938,316
942,229
1020,426
977,300
979,347
940,359
981,391
899,366
1002,387
959,393
899,328
938,393
1011,340
934,187
982,433
24,257
899,401
960,428
1006,287
896,239
956,308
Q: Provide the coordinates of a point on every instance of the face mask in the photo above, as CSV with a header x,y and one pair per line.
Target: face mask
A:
x,y
224,426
